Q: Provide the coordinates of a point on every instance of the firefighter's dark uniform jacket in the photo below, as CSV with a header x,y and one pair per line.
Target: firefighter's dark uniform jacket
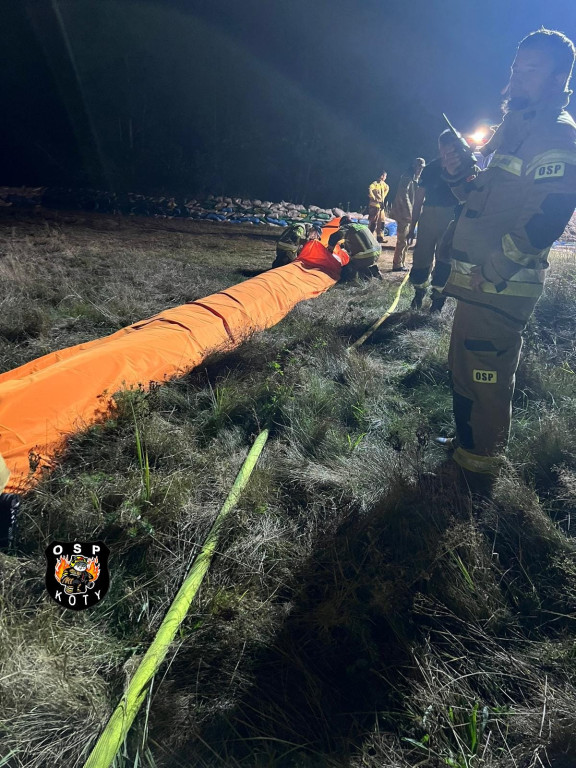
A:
x,y
359,242
513,212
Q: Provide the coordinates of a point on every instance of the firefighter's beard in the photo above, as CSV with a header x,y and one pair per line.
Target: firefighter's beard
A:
x,y
515,103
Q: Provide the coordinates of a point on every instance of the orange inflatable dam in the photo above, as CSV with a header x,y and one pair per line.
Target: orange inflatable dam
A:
x,y
54,396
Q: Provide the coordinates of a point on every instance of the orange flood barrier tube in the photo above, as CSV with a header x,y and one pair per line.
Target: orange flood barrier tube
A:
x,y
44,401
329,228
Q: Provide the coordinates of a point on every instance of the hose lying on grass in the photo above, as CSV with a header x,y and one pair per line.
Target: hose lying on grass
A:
x,y
384,317
123,716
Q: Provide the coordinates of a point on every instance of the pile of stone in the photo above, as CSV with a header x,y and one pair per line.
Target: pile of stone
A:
x,y
239,211
224,209
212,208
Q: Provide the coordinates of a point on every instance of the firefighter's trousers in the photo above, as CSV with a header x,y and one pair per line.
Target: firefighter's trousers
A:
x,y
432,224
375,219
483,358
401,243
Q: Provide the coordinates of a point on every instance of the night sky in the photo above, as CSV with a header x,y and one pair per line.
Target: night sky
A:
x,y
277,99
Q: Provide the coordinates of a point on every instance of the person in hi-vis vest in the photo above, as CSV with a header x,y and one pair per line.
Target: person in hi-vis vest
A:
x,y
377,192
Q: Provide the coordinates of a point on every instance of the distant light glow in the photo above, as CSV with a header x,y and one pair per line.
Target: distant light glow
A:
x,y
479,136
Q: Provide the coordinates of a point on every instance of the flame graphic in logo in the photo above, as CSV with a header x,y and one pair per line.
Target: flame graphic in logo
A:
x,y
61,564
93,567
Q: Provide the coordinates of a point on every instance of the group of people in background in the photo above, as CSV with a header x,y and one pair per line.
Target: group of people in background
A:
x,y
425,200
484,234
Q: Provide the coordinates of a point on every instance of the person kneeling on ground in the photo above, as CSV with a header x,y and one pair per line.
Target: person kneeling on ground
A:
x,y
361,246
292,240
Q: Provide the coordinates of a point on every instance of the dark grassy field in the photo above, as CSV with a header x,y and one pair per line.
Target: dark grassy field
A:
x,y
361,610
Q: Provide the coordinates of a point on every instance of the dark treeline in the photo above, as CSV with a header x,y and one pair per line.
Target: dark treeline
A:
x,y
291,99
149,98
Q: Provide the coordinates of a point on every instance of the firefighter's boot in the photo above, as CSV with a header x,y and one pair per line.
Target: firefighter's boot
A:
x,y
419,294
479,485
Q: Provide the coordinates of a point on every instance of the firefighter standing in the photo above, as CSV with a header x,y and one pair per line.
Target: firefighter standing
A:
x,y
402,212
513,212
377,193
361,246
433,210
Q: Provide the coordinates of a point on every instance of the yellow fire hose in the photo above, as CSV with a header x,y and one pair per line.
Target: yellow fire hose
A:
x,y
123,716
385,316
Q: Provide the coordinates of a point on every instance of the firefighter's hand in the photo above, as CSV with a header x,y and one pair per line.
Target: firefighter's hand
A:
x,y
476,279
410,236
456,165
452,161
